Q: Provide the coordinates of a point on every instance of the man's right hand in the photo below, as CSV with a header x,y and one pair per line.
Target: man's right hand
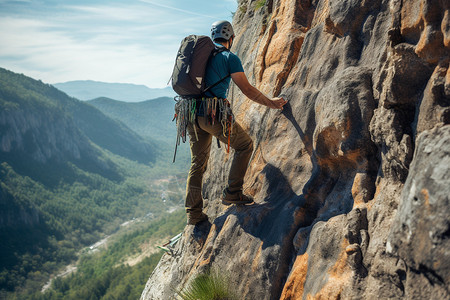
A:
x,y
278,103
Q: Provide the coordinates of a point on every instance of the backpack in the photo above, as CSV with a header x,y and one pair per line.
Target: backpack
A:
x,y
190,65
188,79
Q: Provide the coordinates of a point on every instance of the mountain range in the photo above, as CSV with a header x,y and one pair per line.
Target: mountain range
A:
x,y
41,124
68,174
151,118
88,90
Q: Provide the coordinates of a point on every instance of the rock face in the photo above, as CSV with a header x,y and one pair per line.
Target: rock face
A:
x,y
351,179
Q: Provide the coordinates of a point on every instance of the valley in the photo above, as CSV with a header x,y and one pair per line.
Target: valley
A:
x,y
80,187
118,264
145,249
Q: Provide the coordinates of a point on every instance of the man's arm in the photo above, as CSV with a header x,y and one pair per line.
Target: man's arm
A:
x,y
254,94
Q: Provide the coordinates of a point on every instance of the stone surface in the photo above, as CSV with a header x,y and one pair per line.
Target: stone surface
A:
x,y
420,235
335,217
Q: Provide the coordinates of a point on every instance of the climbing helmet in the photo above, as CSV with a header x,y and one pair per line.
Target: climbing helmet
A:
x,y
222,29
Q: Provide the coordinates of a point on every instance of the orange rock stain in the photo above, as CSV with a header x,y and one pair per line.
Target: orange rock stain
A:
x,y
293,289
426,197
257,258
339,277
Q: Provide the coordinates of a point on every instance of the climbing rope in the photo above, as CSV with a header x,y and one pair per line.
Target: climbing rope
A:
x,y
216,109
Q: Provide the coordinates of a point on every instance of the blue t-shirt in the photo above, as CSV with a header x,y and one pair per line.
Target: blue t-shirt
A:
x,y
219,66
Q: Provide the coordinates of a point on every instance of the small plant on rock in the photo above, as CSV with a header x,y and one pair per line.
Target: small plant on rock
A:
x,y
260,4
208,286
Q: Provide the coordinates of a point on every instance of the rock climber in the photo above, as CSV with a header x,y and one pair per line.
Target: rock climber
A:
x,y
200,136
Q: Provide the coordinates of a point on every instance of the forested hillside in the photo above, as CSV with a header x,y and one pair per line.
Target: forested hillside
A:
x,y
151,118
68,175
119,270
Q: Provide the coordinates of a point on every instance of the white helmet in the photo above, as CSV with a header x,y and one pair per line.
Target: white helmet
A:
x,y
222,29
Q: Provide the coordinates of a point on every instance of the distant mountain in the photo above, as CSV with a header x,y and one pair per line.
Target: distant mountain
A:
x,y
151,118
42,123
88,90
68,173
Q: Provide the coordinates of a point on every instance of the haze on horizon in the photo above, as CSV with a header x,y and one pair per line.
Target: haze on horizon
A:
x,y
109,41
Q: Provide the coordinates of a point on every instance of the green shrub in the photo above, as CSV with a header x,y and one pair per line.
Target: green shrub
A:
x,y
208,286
260,4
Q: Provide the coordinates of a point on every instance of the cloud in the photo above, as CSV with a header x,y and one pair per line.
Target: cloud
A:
x,y
176,9
133,42
60,56
132,13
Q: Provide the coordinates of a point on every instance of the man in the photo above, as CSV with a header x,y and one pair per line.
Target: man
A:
x,y
200,134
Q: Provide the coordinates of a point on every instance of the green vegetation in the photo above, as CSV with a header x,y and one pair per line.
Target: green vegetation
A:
x,y
151,119
69,175
260,4
56,125
70,217
105,274
209,286
243,9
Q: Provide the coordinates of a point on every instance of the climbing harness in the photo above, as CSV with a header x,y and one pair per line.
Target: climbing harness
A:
x,y
215,110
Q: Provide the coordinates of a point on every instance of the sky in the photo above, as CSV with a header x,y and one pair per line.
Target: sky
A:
x,y
119,41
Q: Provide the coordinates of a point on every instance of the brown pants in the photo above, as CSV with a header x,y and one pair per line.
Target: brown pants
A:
x,y
240,141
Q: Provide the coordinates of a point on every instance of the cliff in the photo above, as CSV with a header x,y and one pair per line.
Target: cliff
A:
x,y
351,180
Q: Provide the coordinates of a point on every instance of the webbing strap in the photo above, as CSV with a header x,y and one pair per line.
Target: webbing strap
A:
x,y
217,50
215,84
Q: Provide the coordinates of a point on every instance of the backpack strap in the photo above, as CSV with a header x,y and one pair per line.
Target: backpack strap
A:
x,y
217,50
215,84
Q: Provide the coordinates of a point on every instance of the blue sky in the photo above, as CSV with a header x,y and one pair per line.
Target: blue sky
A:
x,y
131,41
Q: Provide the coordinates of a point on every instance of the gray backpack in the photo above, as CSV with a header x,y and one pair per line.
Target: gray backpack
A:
x,y
189,71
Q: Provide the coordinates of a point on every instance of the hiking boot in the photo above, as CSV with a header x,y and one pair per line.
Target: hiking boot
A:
x,y
235,198
194,220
